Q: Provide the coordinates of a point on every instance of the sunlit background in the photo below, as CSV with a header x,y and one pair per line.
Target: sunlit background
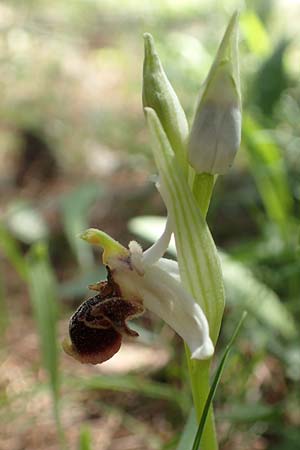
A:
x,y
75,152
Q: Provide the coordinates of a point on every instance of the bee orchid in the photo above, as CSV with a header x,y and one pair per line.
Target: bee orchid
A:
x,y
188,295
136,280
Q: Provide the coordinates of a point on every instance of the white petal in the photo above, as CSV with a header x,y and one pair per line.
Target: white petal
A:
x,y
158,249
166,297
159,288
171,267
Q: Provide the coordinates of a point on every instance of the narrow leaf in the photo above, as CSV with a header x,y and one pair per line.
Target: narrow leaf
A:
x,y
42,289
131,383
245,291
255,33
269,172
75,208
43,295
11,250
4,317
190,429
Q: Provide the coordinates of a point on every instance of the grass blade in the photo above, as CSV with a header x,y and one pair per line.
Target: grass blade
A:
x,y
74,209
245,291
4,318
42,288
131,383
85,439
189,431
9,247
269,172
215,383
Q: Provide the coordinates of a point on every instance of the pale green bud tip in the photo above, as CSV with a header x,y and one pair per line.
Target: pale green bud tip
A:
x,y
149,46
216,131
111,247
152,71
151,58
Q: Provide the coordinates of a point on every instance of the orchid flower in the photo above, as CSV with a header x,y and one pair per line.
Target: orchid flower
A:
x,y
188,295
136,280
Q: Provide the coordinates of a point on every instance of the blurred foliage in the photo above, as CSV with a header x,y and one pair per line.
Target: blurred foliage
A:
x,y
74,152
42,288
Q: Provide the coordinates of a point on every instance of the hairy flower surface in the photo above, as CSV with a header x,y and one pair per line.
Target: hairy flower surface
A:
x,y
136,280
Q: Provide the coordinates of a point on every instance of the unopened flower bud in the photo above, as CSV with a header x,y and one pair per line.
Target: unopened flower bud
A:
x,y
159,94
216,131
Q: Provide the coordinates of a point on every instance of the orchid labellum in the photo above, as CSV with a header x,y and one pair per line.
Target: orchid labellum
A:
x,y
135,281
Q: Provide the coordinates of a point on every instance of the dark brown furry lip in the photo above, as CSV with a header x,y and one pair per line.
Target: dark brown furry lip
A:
x,y
98,325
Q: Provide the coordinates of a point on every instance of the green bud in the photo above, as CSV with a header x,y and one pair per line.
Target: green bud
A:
x,y
216,131
160,96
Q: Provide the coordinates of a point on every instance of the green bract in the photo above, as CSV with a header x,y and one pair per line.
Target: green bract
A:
x,y
198,259
216,131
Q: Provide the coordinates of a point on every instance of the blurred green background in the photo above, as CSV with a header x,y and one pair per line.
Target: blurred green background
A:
x,y
75,152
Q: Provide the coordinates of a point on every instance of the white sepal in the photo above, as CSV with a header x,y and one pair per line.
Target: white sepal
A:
x,y
159,287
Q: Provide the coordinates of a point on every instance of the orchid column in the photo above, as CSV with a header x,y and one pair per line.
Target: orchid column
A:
x,y
187,166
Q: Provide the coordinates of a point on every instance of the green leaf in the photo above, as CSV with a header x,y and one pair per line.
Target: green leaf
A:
x,y
75,207
215,384
42,289
251,413
266,89
43,295
245,291
269,172
198,259
255,33
190,429
10,248
4,317
131,383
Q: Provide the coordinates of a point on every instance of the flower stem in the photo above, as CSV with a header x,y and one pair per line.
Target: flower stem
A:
x,y
199,371
199,376
203,185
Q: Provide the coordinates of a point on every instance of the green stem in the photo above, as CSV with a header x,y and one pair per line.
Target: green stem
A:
x,y
199,370
199,377
203,185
